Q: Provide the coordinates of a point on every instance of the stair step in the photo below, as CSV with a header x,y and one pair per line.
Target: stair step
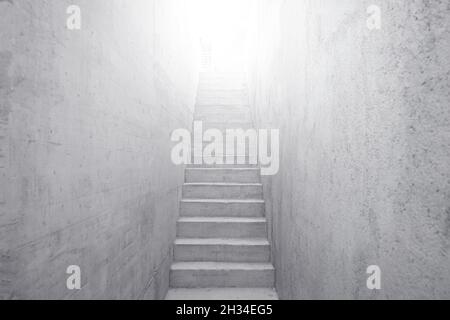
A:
x,y
219,227
211,82
221,274
230,294
238,161
221,85
244,154
207,110
224,126
233,175
246,164
222,101
222,208
225,116
222,190
240,93
222,250
216,84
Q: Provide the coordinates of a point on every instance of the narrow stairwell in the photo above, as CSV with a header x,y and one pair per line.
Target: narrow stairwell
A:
x,y
222,250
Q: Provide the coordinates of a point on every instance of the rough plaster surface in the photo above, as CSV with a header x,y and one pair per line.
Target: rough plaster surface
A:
x,y
85,123
365,155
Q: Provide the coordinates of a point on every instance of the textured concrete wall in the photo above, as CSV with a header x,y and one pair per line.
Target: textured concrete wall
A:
x,y
365,145
85,122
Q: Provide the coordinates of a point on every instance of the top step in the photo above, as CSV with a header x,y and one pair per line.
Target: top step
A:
x,y
222,101
212,77
222,83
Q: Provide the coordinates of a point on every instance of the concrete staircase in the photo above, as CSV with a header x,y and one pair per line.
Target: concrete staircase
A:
x,y
222,250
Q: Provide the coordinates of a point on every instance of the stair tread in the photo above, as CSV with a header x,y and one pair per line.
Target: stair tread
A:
x,y
223,294
223,184
222,241
223,219
224,104
222,200
224,169
221,266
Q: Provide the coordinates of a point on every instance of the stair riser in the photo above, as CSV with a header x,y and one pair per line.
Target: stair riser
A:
x,y
222,152
219,87
225,161
222,253
236,162
223,117
222,192
224,126
224,166
222,230
216,85
225,101
227,176
211,87
208,94
222,209
221,82
222,278
210,110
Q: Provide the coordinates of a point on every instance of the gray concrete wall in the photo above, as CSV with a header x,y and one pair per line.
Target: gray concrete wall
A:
x,y
85,123
365,145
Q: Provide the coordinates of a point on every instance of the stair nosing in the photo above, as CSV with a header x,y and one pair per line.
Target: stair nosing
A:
x,y
257,242
224,169
237,201
200,219
222,184
221,266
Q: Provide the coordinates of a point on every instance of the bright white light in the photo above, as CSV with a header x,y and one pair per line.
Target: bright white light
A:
x,y
223,26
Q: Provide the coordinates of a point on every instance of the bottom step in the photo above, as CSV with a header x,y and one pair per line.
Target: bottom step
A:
x,y
221,275
222,294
